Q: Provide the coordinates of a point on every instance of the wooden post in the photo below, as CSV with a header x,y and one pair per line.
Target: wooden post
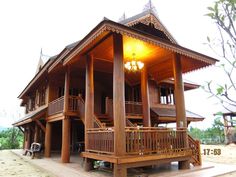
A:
x,y
27,144
65,149
67,89
36,133
89,106
25,134
119,103
181,120
145,98
47,144
65,146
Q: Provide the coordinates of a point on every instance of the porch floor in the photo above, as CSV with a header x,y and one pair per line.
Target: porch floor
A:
x,y
75,168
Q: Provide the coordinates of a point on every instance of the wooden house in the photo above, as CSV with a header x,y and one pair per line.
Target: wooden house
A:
x,y
111,91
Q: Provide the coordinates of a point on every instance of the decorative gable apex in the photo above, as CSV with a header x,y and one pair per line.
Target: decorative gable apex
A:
x,y
148,18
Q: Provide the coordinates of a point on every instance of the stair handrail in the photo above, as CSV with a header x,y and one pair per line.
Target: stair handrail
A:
x,y
81,108
129,123
196,150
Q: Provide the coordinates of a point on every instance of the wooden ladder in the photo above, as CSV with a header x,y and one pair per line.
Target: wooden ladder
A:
x,y
194,145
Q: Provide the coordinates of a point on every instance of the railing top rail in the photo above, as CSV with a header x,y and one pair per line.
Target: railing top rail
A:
x,y
133,102
141,129
100,129
56,100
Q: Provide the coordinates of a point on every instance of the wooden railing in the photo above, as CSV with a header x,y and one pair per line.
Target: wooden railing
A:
x,y
194,145
129,124
101,140
147,140
56,106
81,108
133,108
73,103
139,141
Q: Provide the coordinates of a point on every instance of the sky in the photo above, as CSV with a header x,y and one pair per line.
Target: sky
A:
x,y
26,26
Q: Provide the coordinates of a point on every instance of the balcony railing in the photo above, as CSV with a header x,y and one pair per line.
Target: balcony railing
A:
x,y
148,140
131,107
56,106
139,141
101,140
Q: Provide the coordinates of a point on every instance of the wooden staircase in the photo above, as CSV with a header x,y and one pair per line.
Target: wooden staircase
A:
x,y
105,120
194,145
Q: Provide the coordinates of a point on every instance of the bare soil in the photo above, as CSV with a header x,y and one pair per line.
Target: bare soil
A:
x,y
12,165
227,156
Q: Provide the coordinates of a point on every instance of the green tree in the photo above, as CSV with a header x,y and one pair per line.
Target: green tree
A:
x,y
11,138
223,13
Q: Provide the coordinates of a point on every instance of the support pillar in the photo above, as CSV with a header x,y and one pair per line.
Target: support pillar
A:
x,y
65,149
47,144
89,106
65,145
119,103
181,120
36,133
27,144
119,170
145,98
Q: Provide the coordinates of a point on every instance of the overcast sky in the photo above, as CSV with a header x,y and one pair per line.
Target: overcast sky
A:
x,y
26,26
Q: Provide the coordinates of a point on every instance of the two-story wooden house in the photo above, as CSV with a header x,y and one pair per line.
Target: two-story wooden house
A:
x,y
113,91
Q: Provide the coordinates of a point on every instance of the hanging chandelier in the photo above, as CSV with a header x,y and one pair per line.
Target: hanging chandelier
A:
x,y
134,65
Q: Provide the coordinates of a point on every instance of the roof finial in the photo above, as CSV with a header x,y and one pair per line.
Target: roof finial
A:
x,y
123,17
150,7
41,54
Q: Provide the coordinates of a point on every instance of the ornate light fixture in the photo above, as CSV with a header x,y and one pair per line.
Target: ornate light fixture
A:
x,y
134,65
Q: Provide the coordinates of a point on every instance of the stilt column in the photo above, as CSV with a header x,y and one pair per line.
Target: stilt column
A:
x,y
181,121
119,103
65,147
145,98
89,106
47,144
36,133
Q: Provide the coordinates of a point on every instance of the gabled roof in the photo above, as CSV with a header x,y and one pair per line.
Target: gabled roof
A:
x,y
148,17
169,111
37,76
107,26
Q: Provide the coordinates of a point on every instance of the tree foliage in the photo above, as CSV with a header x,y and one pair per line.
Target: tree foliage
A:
x,y
212,135
11,138
223,13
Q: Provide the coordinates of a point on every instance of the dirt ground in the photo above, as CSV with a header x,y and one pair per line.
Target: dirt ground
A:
x,y
227,156
12,165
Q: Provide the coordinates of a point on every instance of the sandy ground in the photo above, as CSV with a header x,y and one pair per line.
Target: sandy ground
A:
x,y
228,156
12,165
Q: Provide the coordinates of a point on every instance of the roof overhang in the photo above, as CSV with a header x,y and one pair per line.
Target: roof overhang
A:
x,y
191,60
37,114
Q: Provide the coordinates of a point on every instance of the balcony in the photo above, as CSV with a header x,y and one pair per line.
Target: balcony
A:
x,y
57,106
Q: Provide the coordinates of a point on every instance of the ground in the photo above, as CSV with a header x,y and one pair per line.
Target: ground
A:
x,y
227,156
13,165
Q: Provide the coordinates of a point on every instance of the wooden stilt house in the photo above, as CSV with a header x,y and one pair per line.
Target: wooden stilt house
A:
x,y
112,91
